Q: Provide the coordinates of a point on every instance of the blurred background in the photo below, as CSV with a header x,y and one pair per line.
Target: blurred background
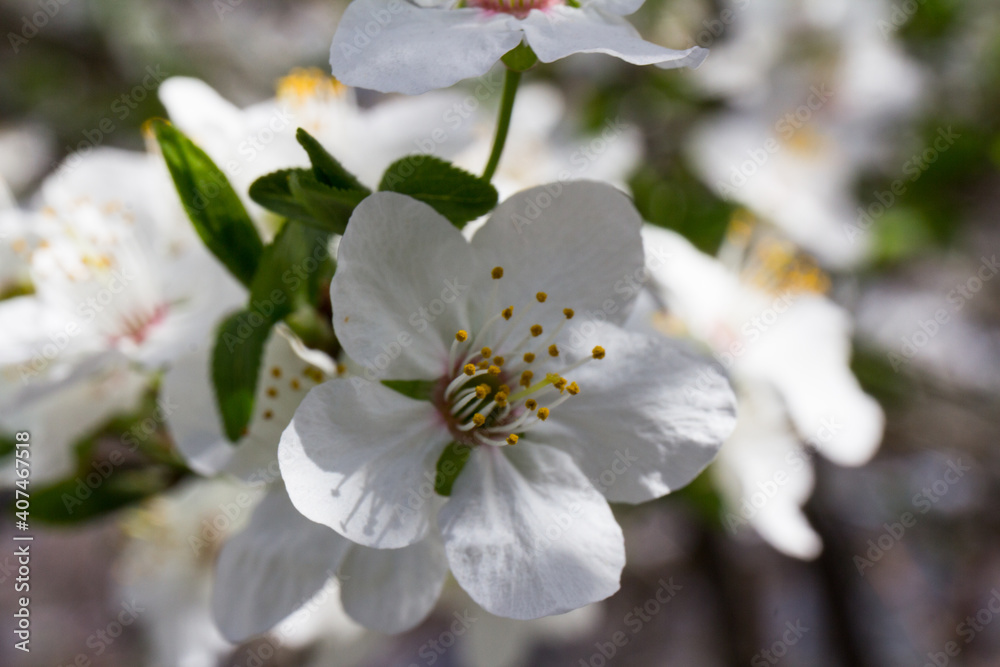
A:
x,y
886,180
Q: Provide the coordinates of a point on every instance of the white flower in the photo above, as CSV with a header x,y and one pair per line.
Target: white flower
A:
x,y
282,557
526,529
409,47
119,284
249,143
168,563
788,350
804,127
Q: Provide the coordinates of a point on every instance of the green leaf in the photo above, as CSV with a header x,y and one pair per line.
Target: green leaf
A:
x,y
329,206
454,193
422,390
326,167
286,276
449,465
273,192
211,203
296,194
236,359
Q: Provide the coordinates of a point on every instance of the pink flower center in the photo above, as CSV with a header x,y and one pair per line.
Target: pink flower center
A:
x,y
519,8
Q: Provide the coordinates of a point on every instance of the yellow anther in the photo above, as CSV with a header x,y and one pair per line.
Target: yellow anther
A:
x,y
482,391
497,272
541,296
294,384
486,352
598,352
553,351
531,404
494,370
498,361
536,330
484,364
560,384
529,357
573,389
462,336
508,312
268,414
503,389
512,439
469,369
543,413
276,372
303,84
569,313
341,369
501,399
478,419
272,392
526,378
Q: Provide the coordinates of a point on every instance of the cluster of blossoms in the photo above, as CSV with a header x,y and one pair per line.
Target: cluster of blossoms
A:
x,y
488,391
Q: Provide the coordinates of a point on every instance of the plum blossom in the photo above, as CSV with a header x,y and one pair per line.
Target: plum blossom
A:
x,y
413,47
513,339
761,311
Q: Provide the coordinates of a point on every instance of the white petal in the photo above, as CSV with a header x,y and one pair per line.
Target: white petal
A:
x,y
272,568
398,47
619,7
765,475
401,286
562,31
193,418
579,242
528,536
393,590
362,461
806,356
649,417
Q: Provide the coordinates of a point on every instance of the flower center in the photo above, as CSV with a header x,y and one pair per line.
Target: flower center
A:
x,y
497,391
303,85
768,262
519,8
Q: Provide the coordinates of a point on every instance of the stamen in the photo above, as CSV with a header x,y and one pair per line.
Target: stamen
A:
x,y
465,400
477,420
469,370
461,379
482,391
482,332
553,351
486,352
568,312
543,413
526,377
512,439
497,273
536,330
531,404
493,370
498,361
507,312
461,336
541,296
529,357
598,352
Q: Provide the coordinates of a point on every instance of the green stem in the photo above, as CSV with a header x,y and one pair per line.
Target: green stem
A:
x,y
510,83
